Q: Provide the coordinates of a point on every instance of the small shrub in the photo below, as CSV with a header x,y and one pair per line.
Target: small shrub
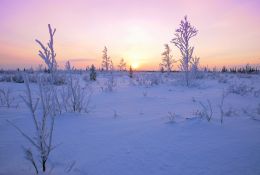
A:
x,y
93,73
240,89
205,111
6,98
17,78
172,117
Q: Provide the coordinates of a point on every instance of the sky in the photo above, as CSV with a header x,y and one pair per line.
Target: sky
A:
x,y
136,30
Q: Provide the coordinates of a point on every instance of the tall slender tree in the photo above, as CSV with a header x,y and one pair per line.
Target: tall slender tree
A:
x,y
182,40
106,61
167,60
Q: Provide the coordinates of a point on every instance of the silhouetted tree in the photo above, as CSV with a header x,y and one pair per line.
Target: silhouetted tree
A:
x,y
106,62
122,65
167,60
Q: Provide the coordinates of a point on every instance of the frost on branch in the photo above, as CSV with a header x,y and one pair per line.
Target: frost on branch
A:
x,y
47,52
43,113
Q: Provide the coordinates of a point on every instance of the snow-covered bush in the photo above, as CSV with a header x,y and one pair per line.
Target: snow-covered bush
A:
x,y
205,110
17,78
110,84
59,79
6,78
147,80
223,79
43,120
172,117
75,98
240,89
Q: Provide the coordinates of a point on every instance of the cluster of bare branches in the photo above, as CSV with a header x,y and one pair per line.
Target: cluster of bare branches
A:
x,y
6,98
205,111
48,54
74,97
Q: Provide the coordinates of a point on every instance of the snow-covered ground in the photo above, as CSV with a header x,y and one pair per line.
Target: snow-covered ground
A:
x,y
143,129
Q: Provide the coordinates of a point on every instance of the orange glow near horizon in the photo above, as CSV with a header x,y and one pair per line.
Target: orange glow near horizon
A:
x,y
136,31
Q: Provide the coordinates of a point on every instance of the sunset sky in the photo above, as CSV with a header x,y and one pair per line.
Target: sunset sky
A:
x,y
136,30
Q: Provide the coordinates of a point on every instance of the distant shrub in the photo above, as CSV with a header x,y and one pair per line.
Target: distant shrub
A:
x,y
205,111
147,80
6,98
171,117
93,73
6,78
17,78
240,89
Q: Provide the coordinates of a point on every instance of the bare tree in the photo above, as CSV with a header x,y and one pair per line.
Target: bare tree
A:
x,y
122,65
106,62
42,140
182,38
47,53
167,60
74,97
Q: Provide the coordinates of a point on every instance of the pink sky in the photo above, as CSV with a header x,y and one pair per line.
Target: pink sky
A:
x,y
229,30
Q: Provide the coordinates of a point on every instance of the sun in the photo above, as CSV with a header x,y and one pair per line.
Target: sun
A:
x,y
135,65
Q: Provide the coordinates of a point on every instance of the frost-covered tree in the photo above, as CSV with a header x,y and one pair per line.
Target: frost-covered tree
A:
x,y
47,53
93,73
43,121
167,60
182,40
122,65
106,61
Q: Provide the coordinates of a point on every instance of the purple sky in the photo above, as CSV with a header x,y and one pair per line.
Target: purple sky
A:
x,y
229,31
